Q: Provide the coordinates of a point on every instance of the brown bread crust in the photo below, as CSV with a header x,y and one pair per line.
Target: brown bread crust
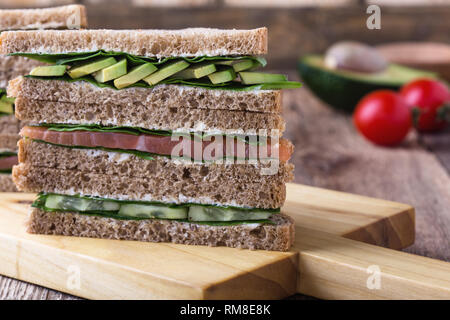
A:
x,y
175,96
275,237
53,18
40,154
6,183
149,43
157,117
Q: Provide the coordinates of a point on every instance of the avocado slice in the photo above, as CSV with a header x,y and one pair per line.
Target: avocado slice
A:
x,y
49,71
222,76
239,64
196,71
6,107
343,89
112,72
259,77
5,98
136,74
245,64
91,67
166,72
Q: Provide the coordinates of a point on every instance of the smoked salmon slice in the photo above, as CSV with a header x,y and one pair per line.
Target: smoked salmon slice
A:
x,y
213,148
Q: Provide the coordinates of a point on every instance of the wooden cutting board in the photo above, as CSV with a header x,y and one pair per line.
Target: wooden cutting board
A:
x,y
331,257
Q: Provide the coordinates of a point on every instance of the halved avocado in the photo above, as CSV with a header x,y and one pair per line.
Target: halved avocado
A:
x,y
343,89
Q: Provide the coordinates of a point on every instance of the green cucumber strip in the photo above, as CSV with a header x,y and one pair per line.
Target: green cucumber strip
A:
x,y
95,206
210,223
5,171
42,197
201,213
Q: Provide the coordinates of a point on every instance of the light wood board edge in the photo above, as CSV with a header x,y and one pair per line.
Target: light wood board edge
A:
x,y
332,267
396,232
384,223
108,280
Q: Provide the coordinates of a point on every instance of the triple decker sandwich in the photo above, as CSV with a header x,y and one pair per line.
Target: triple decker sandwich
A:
x,y
153,135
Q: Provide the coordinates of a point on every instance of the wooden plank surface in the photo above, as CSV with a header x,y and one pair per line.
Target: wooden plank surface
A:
x,y
169,271
333,267
330,154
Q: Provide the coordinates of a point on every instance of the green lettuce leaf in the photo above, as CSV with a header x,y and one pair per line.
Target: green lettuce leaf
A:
x,y
78,57
97,128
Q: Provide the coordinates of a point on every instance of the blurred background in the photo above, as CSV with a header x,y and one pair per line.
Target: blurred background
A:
x,y
295,26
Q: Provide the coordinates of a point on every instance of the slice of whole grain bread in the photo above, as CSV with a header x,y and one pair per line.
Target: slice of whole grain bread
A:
x,y
170,186
154,117
149,43
70,16
278,236
171,96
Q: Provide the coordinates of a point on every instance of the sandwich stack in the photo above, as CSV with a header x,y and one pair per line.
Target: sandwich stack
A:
x,y
72,16
153,135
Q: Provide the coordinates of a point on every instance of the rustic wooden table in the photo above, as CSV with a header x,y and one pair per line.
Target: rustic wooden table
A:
x,y
330,154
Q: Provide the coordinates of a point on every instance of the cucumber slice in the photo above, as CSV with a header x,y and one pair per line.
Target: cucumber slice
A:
x,y
203,213
152,211
68,203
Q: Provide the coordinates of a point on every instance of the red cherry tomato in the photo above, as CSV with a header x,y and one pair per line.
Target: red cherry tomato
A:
x,y
383,117
429,98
